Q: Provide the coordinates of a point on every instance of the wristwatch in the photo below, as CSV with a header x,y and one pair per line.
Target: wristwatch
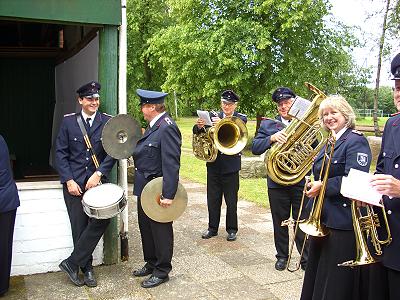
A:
x,y
99,173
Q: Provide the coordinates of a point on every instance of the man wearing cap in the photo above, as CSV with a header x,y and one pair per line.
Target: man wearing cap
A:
x,y
157,154
386,275
222,174
78,174
283,199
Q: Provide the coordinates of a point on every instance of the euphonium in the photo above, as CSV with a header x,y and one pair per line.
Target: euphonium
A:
x,y
288,163
228,136
365,226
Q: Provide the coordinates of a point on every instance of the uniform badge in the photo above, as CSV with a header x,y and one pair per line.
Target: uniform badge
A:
x,y
168,120
362,159
357,132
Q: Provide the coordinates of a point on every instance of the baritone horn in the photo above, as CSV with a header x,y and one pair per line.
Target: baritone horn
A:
x,y
365,226
228,136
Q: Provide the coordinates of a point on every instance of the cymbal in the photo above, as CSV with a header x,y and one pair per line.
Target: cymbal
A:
x,y
120,135
150,202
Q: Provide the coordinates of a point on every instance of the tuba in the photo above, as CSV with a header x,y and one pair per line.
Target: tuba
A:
x,y
228,136
365,226
288,163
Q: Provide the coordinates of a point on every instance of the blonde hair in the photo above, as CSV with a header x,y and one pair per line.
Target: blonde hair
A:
x,y
339,103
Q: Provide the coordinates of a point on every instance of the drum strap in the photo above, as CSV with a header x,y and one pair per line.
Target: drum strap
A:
x,y
87,140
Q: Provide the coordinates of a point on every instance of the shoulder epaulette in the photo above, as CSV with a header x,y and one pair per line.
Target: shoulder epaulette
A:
x,y
357,132
71,114
265,118
107,114
242,114
395,114
168,120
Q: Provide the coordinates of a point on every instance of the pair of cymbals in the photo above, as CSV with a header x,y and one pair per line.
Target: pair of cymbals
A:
x,y
120,135
150,200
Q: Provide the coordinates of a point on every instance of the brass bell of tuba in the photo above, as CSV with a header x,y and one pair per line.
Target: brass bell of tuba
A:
x,y
364,227
288,163
228,136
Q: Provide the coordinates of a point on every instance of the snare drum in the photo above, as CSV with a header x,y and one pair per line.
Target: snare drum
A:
x,y
104,201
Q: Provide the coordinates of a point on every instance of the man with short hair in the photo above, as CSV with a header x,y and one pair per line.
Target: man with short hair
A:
x,y
157,154
284,200
387,182
222,174
78,173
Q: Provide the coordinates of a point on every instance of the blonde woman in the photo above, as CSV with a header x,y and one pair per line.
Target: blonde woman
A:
x,y
323,278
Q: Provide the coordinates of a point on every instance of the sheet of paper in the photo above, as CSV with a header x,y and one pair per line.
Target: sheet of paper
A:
x,y
299,107
356,186
205,116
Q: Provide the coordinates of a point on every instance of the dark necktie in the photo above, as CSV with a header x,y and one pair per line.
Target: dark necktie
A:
x,y
88,122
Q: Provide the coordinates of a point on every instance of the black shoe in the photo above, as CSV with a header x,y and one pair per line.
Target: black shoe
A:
x,y
89,279
153,281
72,274
231,236
280,264
208,234
144,271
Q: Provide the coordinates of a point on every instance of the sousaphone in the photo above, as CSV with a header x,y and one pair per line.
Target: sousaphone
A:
x,y
150,200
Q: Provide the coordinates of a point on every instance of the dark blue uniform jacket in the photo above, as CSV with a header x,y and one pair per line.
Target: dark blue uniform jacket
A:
x,y
262,142
158,154
351,151
9,199
224,164
73,158
388,163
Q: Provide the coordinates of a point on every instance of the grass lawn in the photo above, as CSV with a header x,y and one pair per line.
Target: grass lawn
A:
x,y
193,169
370,121
254,190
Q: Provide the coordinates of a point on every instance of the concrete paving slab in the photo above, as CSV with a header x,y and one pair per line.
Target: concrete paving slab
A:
x,y
202,269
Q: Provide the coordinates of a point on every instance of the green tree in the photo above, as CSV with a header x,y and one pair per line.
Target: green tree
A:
x,y
390,28
252,47
144,18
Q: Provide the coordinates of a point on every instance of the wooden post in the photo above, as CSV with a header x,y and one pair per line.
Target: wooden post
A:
x,y
108,78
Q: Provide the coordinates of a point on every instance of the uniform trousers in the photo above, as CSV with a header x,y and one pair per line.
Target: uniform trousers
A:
x,y
385,283
157,243
284,201
7,222
86,232
324,279
219,185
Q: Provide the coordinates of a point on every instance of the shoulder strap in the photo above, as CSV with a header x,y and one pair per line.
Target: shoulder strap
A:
x,y
87,140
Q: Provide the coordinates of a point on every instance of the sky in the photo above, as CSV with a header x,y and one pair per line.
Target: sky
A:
x,y
358,13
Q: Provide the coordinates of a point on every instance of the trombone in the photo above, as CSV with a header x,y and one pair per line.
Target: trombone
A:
x,y
312,226
294,224
365,226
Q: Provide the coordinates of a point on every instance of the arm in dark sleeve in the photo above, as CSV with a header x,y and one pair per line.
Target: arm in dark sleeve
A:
x,y
63,154
358,144
380,164
197,130
106,165
262,141
170,159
